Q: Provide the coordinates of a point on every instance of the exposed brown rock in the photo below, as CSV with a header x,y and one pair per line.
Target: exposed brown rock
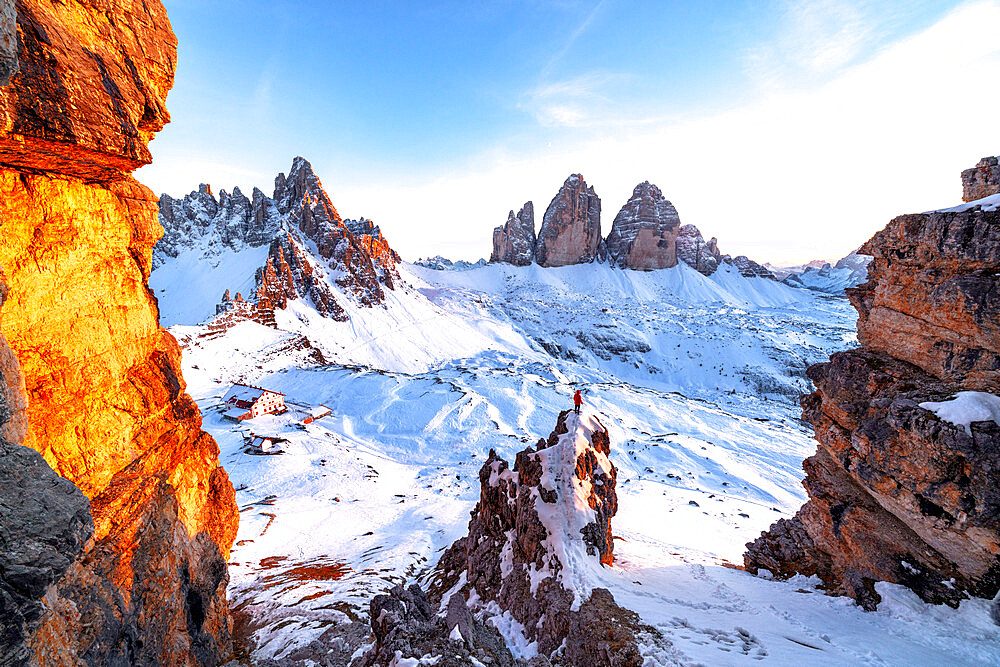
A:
x,y
514,242
982,180
933,298
90,89
571,228
288,275
895,493
103,398
523,527
644,233
8,41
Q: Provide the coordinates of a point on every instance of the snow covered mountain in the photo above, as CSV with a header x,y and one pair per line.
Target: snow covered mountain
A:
x,y
820,276
693,377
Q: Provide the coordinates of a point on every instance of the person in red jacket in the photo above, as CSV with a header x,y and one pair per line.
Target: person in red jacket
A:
x,y
577,401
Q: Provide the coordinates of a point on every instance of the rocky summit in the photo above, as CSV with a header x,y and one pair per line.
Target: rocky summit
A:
x,y
571,227
313,253
536,529
982,180
644,233
695,252
902,489
514,242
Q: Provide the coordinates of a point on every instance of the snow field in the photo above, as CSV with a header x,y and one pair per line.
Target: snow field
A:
x,y
693,379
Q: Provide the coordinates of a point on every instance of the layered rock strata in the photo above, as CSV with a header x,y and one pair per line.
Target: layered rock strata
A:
x,y
99,381
644,233
571,227
896,493
534,526
982,180
514,242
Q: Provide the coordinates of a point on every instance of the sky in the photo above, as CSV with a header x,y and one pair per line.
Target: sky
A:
x,y
791,130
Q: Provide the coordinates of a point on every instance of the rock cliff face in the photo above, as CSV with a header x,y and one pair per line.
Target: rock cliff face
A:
x,y
695,252
312,249
98,391
90,88
982,180
571,228
644,233
514,242
895,493
534,526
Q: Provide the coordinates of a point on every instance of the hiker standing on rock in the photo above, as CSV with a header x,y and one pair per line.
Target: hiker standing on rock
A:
x,y
577,401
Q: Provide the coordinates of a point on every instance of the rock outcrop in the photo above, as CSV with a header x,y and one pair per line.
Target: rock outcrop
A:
x,y
536,529
747,267
288,274
982,180
46,523
90,88
571,227
695,252
405,625
896,493
644,233
514,242
97,382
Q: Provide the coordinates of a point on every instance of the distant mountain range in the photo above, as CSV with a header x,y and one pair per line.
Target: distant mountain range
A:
x,y
824,276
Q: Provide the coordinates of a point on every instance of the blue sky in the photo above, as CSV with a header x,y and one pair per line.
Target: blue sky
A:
x,y
790,130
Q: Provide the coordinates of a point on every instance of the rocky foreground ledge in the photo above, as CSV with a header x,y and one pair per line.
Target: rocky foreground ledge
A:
x,y
537,530
116,518
898,493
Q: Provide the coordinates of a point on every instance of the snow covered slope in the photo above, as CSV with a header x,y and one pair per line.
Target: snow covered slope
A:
x,y
694,377
849,271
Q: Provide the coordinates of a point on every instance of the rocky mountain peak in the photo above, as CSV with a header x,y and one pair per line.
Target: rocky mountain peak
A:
x,y
571,227
644,233
982,180
514,242
312,250
693,250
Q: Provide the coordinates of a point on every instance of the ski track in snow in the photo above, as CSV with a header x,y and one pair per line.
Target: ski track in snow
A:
x,y
694,379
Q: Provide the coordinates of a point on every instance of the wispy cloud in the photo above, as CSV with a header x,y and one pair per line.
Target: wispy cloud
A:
x,y
798,174
814,37
571,40
573,102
